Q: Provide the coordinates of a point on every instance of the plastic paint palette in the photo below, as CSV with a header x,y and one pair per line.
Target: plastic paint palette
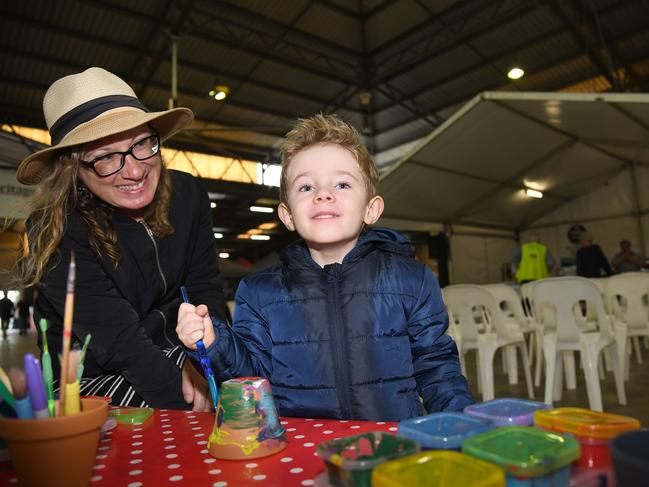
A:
x,y
131,415
443,431
530,456
350,460
507,412
593,430
438,468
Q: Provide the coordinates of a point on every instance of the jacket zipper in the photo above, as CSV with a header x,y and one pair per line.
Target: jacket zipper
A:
x,y
341,347
157,257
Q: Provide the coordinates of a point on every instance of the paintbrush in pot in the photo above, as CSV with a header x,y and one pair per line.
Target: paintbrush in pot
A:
x,y
22,402
48,376
67,332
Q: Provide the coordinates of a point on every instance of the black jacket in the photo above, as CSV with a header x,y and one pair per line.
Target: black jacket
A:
x,y
131,311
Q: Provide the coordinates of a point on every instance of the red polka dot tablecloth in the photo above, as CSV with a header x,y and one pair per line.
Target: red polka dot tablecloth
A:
x,y
171,449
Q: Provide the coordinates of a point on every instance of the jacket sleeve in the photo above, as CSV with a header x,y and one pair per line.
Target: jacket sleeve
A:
x,y
119,341
202,279
245,349
435,358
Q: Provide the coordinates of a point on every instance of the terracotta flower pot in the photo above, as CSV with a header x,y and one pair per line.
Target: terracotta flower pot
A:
x,y
56,451
247,425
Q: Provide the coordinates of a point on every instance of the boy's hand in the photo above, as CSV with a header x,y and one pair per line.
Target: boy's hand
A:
x,y
194,323
195,389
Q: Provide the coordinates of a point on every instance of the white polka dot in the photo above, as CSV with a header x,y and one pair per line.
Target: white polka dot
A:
x,y
170,447
251,465
137,429
171,438
299,437
165,420
380,422
166,426
135,472
96,478
103,448
318,425
344,421
99,466
310,419
327,432
108,433
168,432
136,452
219,484
101,457
196,428
135,484
193,422
164,414
392,428
191,416
283,422
137,436
355,427
215,471
136,461
173,465
259,477
202,442
286,459
296,470
136,443
308,482
209,460
204,451
175,478
309,444
291,429
106,440
198,435
171,455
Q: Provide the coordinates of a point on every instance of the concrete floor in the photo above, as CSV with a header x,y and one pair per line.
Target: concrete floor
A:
x,y
637,388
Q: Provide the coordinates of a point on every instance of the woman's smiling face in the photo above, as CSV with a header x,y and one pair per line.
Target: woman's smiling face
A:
x,y
132,188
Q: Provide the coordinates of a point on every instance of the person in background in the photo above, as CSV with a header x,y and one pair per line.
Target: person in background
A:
x,y
6,312
138,232
591,261
24,314
626,260
349,325
532,260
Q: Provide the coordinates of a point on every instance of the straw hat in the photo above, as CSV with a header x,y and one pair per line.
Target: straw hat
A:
x,y
88,106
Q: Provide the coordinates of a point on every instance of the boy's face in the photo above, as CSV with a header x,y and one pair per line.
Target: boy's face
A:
x,y
328,201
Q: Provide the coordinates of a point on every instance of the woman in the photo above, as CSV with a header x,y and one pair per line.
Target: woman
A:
x,y
138,230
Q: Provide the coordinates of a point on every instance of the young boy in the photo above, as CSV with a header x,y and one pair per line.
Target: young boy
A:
x,y
349,325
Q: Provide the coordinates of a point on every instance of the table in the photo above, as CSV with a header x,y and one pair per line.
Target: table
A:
x,y
171,449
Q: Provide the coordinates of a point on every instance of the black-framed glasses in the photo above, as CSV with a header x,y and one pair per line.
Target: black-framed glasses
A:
x,y
108,164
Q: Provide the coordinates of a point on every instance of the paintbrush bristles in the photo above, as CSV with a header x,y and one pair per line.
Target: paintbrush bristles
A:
x,y
67,331
73,364
18,383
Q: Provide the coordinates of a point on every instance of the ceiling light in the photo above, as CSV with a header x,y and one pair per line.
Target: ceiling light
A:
x,y
268,226
224,255
259,237
534,193
220,92
218,235
212,204
261,209
515,73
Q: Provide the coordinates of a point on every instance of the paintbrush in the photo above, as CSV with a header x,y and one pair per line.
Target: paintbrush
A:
x,y
48,375
22,402
83,356
4,378
72,404
67,331
205,361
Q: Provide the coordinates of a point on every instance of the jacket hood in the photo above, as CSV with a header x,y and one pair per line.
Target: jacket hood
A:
x,y
297,254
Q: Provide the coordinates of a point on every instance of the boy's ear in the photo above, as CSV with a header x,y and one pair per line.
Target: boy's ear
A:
x,y
374,210
285,215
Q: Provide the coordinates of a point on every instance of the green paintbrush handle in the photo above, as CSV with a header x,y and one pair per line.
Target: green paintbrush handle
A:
x,y
46,361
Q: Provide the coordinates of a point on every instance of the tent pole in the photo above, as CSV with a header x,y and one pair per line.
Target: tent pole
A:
x,y
636,203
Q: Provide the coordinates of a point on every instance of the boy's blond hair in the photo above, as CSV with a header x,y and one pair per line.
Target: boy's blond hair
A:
x,y
326,129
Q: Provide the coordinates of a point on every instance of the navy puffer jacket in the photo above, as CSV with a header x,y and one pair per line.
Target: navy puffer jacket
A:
x,y
359,340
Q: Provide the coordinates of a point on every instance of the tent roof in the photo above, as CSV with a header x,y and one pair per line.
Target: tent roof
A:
x,y
472,170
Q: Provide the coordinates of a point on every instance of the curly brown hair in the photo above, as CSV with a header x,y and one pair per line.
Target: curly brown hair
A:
x,y
60,191
326,129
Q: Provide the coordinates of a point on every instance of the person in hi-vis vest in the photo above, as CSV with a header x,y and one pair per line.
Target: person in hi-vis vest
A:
x,y
532,260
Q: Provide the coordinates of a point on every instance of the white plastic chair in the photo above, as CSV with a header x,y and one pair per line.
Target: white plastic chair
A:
x,y
509,299
462,300
627,295
564,295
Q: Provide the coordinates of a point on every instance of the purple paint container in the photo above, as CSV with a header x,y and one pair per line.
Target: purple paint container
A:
x,y
507,411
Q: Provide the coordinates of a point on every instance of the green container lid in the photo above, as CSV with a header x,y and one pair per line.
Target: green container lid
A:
x,y
524,451
439,468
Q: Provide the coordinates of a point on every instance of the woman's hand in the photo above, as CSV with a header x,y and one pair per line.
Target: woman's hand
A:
x,y
195,389
194,323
